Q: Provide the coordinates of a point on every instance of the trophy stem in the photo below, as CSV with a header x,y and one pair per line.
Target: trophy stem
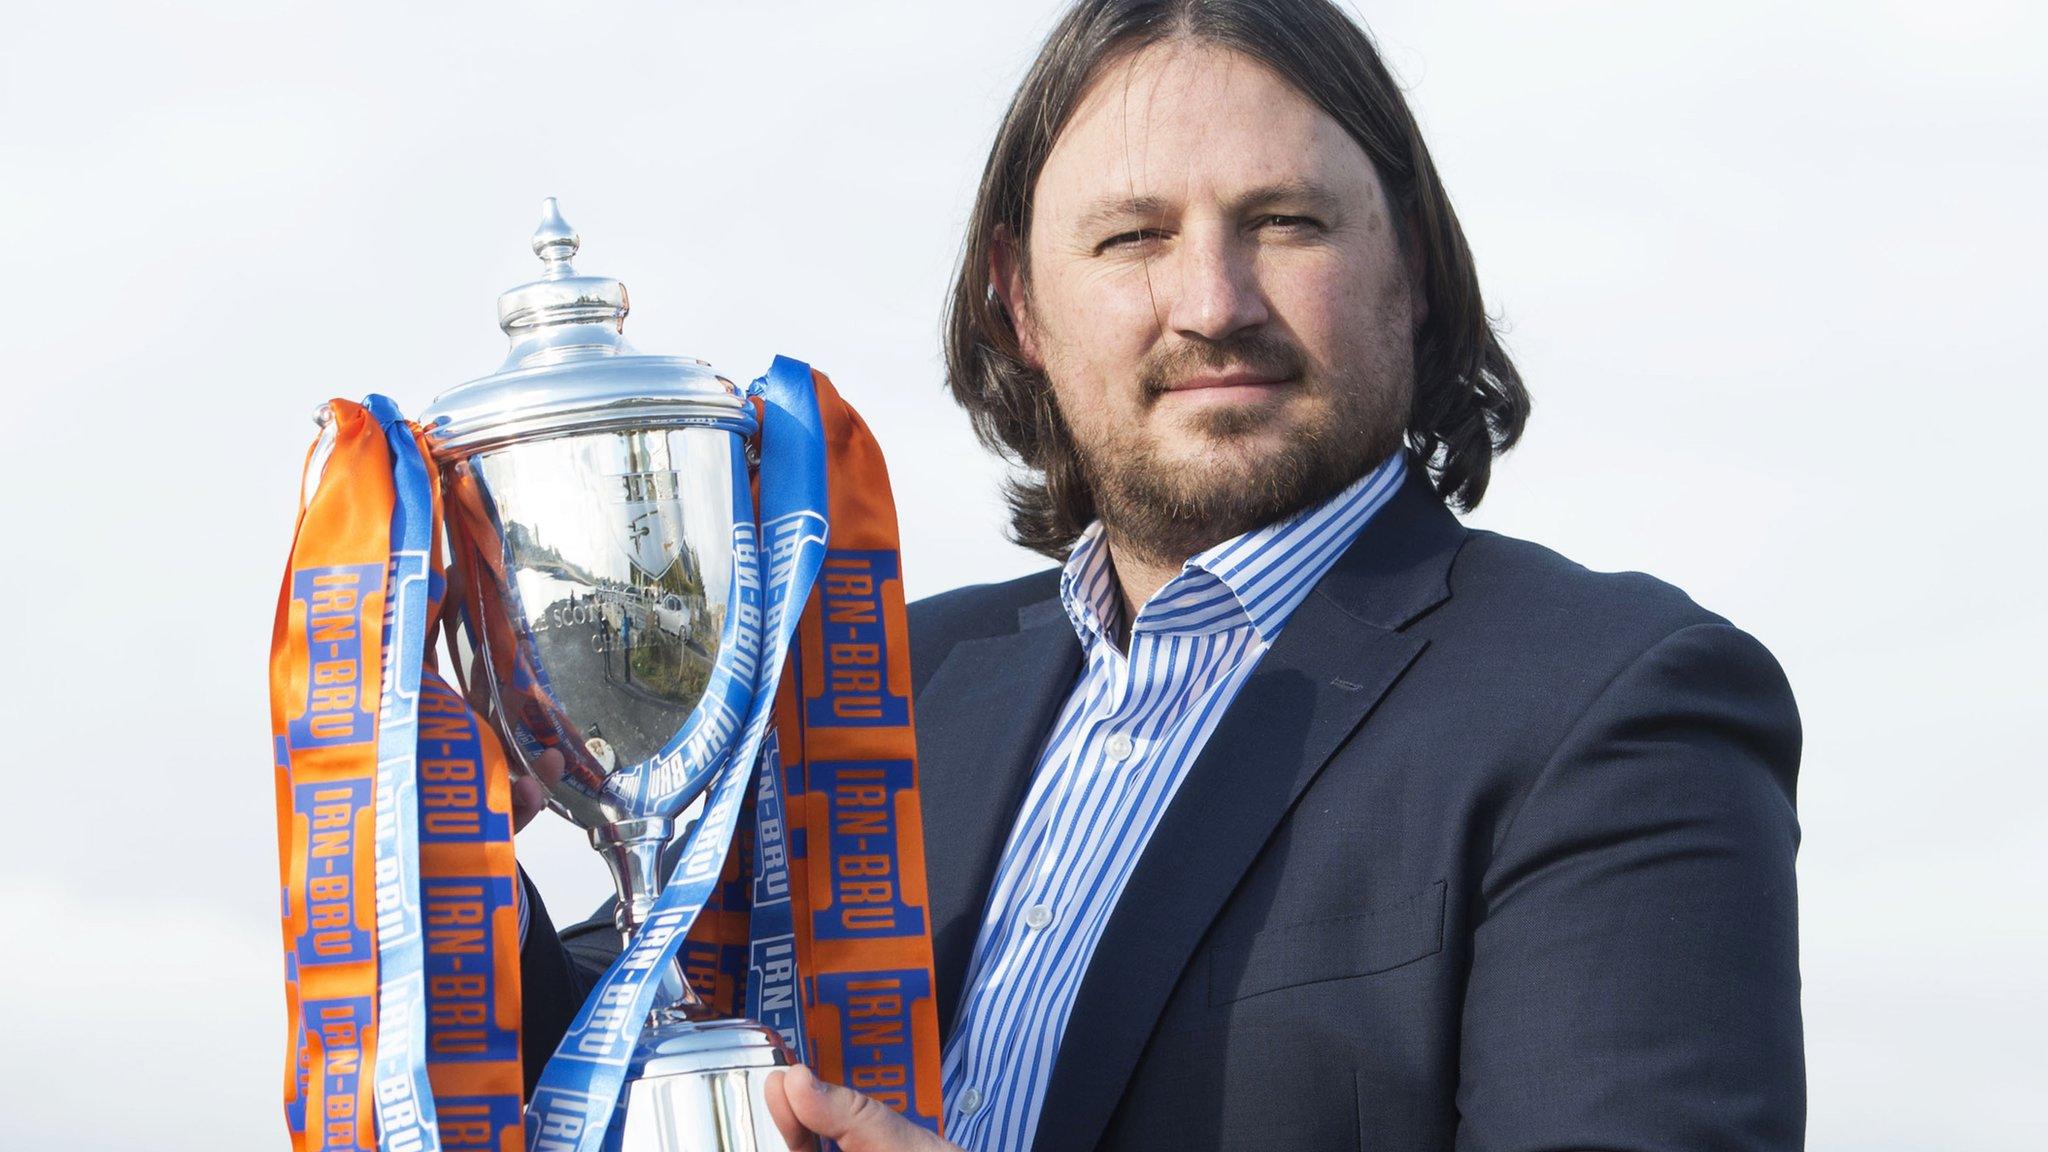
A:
x,y
632,850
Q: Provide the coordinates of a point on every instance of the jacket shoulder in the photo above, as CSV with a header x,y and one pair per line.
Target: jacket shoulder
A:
x,y
1542,637
937,623
1497,575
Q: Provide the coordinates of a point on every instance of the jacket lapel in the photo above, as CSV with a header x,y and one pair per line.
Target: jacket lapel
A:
x,y
1333,661
999,695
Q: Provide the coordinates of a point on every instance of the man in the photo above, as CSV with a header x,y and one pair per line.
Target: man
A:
x,y
1287,812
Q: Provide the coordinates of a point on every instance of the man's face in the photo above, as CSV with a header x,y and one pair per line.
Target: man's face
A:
x,y
1217,292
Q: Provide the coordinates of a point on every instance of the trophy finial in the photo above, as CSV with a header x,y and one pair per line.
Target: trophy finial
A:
x,y
554,241
564,314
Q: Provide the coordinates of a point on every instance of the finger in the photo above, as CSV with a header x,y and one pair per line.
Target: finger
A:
x,y
794,1134
549,766
528,798
859,1123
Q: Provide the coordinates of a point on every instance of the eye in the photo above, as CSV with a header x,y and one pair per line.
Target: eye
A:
x,y
1291,223
1131,239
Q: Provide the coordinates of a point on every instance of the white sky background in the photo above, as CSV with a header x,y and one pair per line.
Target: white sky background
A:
x,y
1767,268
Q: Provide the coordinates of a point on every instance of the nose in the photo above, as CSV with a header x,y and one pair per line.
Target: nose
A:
x,y
1216,293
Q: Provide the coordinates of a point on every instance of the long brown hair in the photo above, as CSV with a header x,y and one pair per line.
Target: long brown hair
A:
x,y
1469,402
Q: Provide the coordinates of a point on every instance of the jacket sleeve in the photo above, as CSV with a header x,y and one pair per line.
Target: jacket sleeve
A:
x,y
556,973
1635,971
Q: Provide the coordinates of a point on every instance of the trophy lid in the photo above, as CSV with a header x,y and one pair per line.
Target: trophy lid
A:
x,y
570,369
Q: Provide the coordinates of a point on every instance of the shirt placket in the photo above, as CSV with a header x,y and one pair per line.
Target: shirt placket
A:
x,y
1022,925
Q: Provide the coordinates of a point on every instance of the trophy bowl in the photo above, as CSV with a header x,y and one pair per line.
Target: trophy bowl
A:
x,y
609,594
591,496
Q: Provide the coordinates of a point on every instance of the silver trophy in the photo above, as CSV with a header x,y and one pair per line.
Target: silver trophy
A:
x,y
589,498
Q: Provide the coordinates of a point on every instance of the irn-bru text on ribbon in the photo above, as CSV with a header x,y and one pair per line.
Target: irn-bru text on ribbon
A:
x,y
556,1119
460,914
398,1113
771,987
332,813
875,1030
452,777
856,689
867,897
341,695
339,1024
475,1123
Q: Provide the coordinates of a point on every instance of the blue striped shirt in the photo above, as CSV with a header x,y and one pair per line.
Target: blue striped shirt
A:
x,y
1124,740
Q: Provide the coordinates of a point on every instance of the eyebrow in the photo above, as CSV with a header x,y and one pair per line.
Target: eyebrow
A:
x,y
1110,211
1307,193
1106,212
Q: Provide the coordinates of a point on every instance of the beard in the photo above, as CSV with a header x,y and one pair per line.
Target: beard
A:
x,y
1167,509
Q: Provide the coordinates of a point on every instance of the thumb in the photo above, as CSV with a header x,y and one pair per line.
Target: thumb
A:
x,y
855,1121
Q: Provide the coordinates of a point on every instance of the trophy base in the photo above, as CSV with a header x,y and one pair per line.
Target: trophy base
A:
x,y
696,1086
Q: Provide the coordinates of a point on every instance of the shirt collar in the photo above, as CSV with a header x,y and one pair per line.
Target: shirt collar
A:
x,y
1257,578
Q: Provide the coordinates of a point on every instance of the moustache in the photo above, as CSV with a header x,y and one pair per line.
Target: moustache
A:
x,y
1265,354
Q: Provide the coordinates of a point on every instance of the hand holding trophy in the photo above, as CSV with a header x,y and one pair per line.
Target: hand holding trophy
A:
x,y
627,610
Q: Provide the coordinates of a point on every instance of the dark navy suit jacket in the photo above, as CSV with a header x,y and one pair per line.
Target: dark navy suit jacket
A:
x,y
1491,853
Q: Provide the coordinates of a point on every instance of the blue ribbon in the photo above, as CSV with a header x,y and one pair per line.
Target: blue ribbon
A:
x,y
405,1099
773,992
574,1104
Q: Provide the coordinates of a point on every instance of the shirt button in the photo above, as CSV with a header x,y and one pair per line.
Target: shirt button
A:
x,y
1037,916
970,1099
1119,746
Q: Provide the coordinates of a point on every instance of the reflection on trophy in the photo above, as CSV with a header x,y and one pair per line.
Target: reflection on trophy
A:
x,y
590,503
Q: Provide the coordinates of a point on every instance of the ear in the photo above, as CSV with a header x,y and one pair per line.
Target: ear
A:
x,y
1418,288
1006,280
